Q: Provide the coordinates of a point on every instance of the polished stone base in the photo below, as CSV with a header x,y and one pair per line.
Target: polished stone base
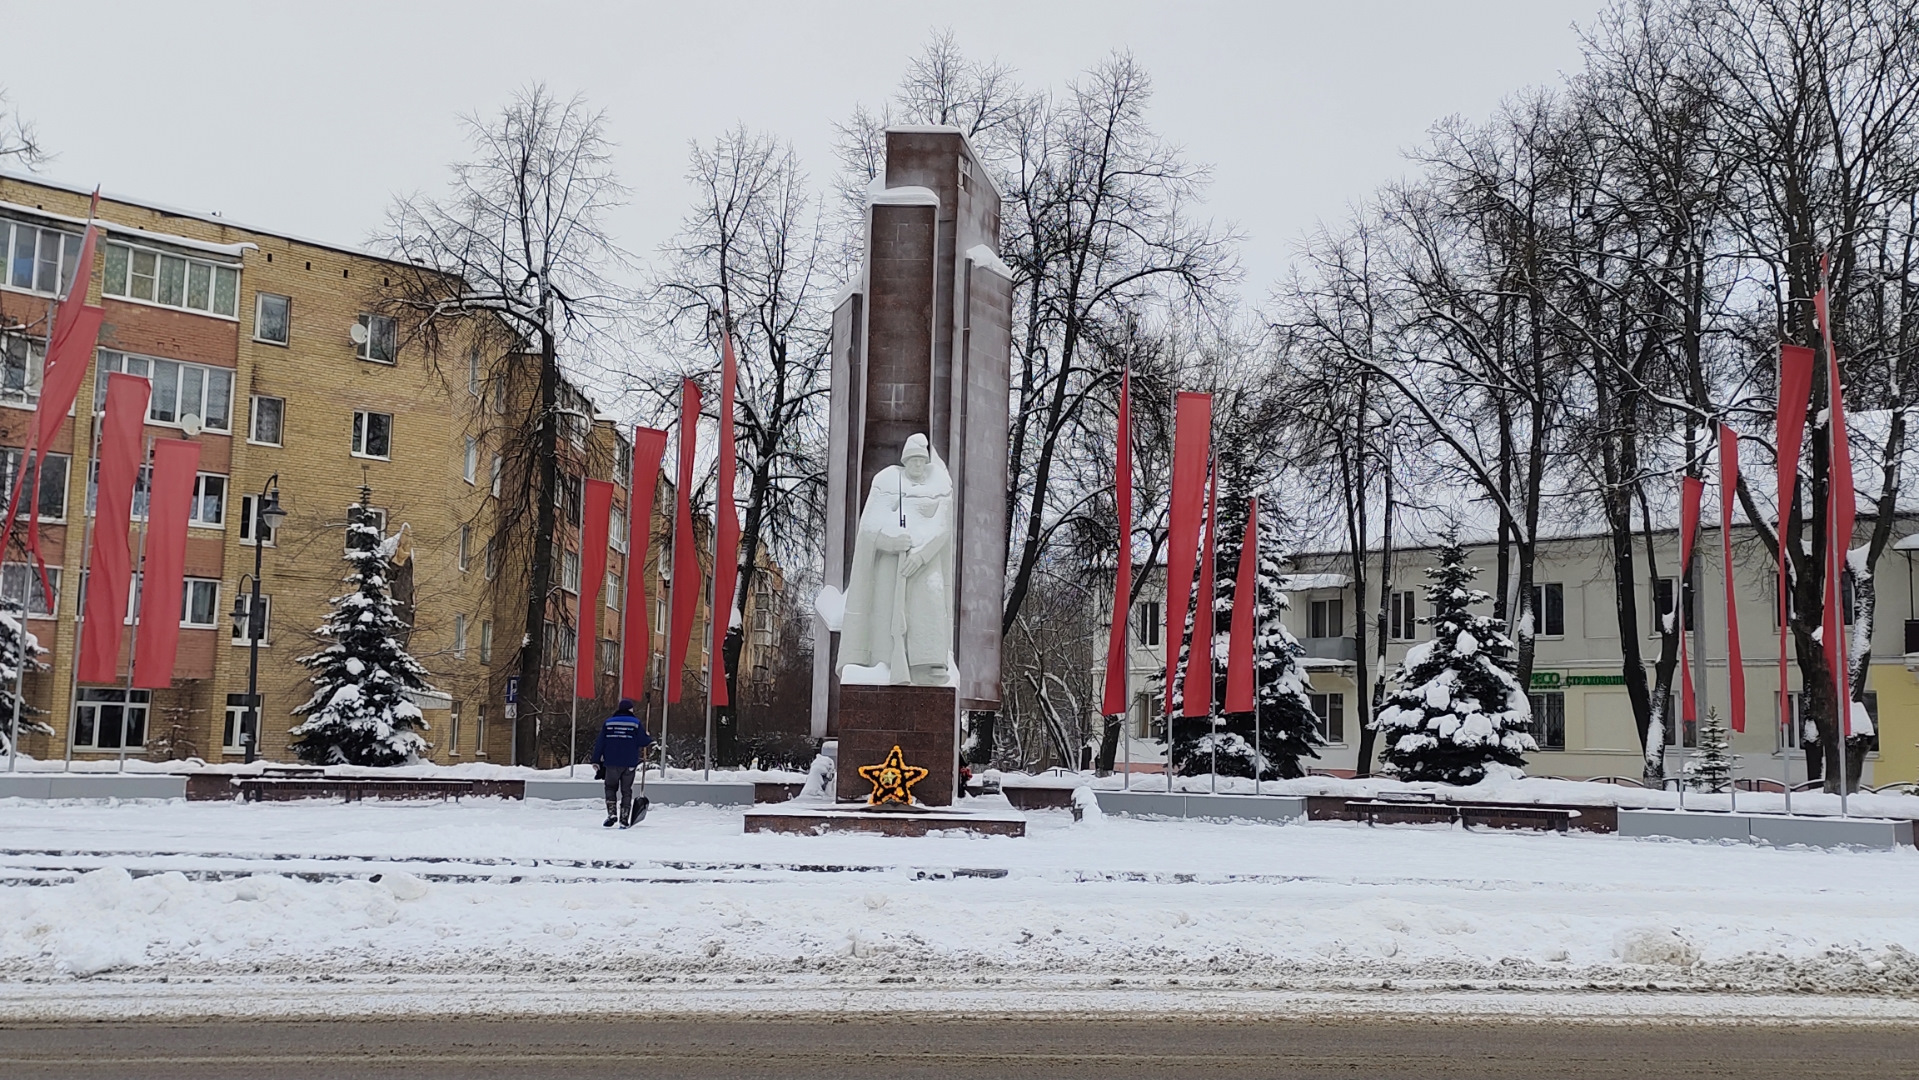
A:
x,y
991,816
921,720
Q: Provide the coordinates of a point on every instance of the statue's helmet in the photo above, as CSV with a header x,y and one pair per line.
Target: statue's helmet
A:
x,y
916,447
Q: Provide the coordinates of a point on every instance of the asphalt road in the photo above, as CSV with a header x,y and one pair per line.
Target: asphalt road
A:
x,y
1026,1049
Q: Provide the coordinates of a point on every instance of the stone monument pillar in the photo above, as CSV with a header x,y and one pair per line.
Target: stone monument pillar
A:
x,y
916,468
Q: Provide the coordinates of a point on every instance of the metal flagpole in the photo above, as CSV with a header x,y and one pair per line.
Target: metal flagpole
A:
x,y
86,549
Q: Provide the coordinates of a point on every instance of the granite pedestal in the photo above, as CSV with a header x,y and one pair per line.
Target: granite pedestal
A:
x,y
921,720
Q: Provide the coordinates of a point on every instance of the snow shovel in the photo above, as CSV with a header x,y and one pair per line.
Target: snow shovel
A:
x,y
640,801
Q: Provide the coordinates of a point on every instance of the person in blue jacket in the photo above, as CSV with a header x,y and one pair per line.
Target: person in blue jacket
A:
x,y
622,743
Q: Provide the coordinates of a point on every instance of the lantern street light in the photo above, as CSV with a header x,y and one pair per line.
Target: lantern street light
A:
x,y
249,618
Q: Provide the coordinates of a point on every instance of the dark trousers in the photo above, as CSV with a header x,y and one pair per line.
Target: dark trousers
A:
x,y
619,792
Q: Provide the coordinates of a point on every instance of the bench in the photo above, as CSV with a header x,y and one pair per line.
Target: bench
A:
x,y
1404,812
348,788
1515,817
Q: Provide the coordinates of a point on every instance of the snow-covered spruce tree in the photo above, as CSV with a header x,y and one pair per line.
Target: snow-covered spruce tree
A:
x,y
359,713
1711,766
1285,725
1459,708
17,646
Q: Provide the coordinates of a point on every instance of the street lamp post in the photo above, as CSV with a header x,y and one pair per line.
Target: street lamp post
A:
x,y
267,516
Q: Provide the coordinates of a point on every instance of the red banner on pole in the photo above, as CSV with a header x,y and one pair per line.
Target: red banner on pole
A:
x,y
110,565
1192,445
594,521
156,640
1114,700
1728,491
1239,655
1842,509
1789,418
726,530
1198,693
636,637
1692,492
686,555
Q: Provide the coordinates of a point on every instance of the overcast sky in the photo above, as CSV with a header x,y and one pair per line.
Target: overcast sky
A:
x,y
308,117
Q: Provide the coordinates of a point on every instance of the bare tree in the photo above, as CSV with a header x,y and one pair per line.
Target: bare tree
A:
x,y
752,248
516,254
19,142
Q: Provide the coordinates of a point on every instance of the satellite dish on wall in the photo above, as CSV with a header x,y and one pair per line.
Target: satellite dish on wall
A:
x,y
192,425
358,333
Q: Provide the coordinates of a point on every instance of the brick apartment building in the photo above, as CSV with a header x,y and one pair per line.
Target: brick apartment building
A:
x,y
273,345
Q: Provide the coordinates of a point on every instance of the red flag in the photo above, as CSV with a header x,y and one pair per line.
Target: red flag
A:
x,y
1114,703
593,526
1239,655
1842,508
1795,386
156,641
726,530
110,567
1199,658
1192,444
686,555
649,446
1728,491
70,341
1692,489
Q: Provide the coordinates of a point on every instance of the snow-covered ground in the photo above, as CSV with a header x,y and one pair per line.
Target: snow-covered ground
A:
x,y
198,908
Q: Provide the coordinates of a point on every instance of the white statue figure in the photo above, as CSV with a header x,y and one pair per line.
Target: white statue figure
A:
x,y
898,623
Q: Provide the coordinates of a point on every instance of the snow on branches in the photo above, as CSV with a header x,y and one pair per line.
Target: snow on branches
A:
x,y
360,712
1460,709
17,646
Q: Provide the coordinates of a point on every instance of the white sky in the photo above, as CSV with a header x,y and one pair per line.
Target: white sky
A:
x,y
308,117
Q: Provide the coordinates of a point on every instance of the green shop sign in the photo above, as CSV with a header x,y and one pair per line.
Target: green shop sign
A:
x,y
1546,680
1596,680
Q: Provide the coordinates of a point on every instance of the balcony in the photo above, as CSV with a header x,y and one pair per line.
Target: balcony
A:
x,y
1337,649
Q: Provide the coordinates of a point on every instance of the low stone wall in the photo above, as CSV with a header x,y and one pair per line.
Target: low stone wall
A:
x,y
1592,819
1883,834
1277,808
658,792
37,785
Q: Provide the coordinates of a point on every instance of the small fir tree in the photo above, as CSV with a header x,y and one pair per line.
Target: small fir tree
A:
x,y
1285,725
1459,708
1710,768
18,646
359,713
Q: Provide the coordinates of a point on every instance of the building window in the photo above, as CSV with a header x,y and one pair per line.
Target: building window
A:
x,y
453,731
272,318
140,491
486,641
570,499
209,501
379,338
659,614
38,260
492,557
200,603
459,637
52,500
268,424
622,460
1549,611
1662,605
372,515
495,469
473,371
616,530
372,435
1402,616
1328,618
244,604
251,524
104,718
609,657
479,731
1149,624
570,571
179,390
1549,719
20,586
612,590
471,466
171,280
26,362
466,547
1329,715
232,734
